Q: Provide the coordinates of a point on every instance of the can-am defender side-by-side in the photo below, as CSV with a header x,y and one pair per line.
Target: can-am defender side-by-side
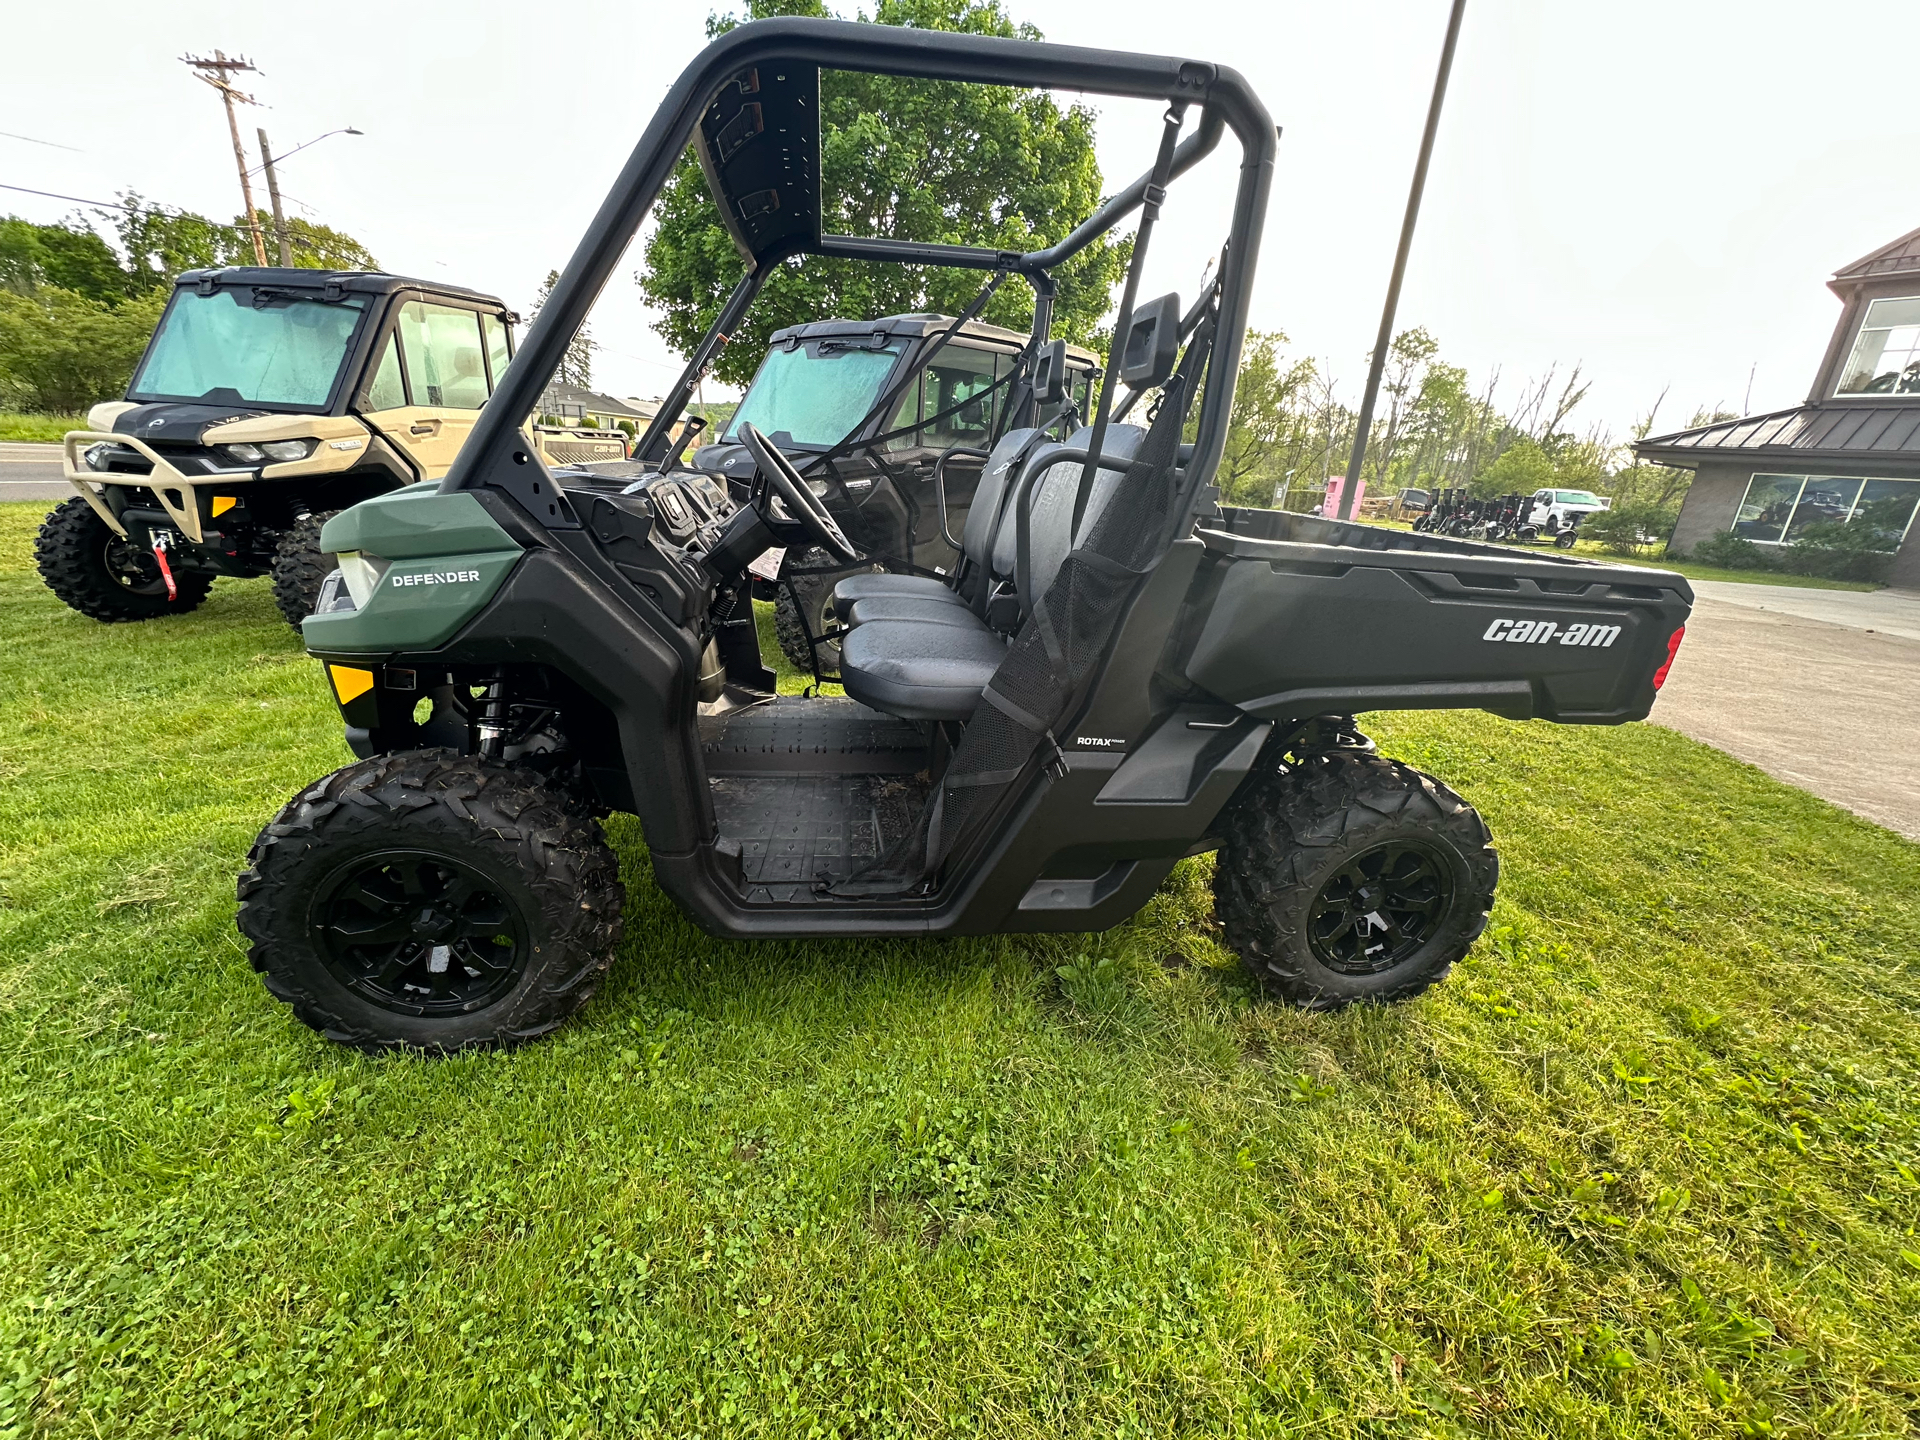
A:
x,y
901,486
1115,674
267,401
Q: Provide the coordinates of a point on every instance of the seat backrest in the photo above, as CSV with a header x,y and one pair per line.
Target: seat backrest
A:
x,y
990,495
1050,500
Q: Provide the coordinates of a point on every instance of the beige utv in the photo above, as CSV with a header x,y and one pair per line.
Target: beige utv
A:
x,y
267,401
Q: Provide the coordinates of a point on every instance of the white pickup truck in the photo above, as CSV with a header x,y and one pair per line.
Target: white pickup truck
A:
x,y
1553,510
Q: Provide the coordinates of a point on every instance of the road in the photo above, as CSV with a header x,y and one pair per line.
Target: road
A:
x,y
31,472
1819,688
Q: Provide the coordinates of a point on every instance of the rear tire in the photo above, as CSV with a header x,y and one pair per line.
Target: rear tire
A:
x,y
103,575
431,901
300,566
1352,877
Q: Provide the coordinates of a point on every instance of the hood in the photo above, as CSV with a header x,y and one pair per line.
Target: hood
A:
x,y
172,422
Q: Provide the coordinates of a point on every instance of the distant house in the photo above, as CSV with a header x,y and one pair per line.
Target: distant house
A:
x,y
574,404
1850,453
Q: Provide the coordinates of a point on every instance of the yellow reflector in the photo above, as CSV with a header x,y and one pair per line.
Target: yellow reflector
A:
x,y
223,503
350,682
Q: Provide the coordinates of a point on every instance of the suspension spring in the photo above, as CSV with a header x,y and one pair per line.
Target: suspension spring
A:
x,y
494,715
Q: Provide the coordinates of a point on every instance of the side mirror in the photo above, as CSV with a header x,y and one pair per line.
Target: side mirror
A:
x,y
1152,344
1050,373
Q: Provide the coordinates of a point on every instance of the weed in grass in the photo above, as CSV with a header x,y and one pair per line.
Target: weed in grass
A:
x,y
1646,1165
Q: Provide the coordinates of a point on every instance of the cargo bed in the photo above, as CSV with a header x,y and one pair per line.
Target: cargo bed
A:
x,y
1307,616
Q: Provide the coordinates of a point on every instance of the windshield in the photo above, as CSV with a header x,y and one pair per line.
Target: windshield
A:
x,y
813,394
221,349
1578,497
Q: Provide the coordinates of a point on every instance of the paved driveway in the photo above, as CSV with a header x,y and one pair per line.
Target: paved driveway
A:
x,y
31,472
1819,688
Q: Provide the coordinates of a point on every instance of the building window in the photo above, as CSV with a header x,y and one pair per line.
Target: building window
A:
x,y
1886,357
1779,509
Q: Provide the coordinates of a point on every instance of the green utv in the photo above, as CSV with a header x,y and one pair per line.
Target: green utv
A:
x,y
1116,672
267,401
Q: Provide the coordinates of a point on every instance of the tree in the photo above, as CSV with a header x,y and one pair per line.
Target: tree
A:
x,y
1271,429
576,366
69,256
61,351
961,164
1407,359
158,244
1521,469
314,246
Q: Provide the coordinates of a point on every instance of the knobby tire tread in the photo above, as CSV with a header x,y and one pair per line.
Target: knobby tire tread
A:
x,y
1285,827
300,566
513,813
69,553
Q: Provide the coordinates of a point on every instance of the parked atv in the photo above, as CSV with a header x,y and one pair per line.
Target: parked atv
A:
x,y
900,485
267,402
1114,673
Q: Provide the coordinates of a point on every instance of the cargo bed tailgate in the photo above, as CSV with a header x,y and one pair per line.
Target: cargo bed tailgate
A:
x,y
1302,626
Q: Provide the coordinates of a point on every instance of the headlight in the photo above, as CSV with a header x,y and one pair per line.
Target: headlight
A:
x,y
362,574
245,454
288,449
96,455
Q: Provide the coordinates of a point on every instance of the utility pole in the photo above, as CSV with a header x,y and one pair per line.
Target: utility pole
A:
x,y
273,193
215,72
1400,265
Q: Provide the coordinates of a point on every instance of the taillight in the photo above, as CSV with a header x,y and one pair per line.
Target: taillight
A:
x,y
1673,648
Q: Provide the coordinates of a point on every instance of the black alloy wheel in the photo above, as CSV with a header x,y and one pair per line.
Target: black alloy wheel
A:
x,y
1347,877
420,934
1377,910
432,902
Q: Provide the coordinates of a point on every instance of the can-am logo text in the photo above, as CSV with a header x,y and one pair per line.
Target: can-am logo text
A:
x,y
1541,632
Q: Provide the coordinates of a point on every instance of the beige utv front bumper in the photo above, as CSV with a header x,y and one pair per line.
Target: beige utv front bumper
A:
x,y
342,443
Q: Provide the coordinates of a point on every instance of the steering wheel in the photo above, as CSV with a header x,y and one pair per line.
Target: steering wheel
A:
x,y
805,506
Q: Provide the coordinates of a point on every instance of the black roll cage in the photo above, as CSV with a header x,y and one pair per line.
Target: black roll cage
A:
x,y
494,457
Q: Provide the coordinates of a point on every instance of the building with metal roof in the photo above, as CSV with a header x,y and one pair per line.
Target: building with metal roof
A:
x,y
1851,453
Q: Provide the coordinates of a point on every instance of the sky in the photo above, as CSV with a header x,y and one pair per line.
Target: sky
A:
x,y
1655,190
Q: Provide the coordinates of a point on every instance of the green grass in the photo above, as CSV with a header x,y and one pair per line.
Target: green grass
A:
x,y
1646,1165
1719,572
15,426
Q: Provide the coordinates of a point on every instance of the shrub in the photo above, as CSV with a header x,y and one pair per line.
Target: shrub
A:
x,y
1837,550
1628,529
1829,550
60,352
1730,552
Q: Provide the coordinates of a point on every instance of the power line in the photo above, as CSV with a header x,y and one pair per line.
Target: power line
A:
x,y
55,144
112,205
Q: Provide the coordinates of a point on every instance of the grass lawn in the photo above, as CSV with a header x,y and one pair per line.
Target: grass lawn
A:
x,y
1648,1164
15,426
1591,550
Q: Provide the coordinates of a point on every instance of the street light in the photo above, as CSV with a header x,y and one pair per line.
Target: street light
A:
x,y
268,164
273,188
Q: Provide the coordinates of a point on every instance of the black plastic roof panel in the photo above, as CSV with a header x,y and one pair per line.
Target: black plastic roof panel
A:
x,y
759,144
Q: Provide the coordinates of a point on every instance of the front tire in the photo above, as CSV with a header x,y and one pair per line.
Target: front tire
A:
x,y
104,575
300,567
1351,877
813,591
433,902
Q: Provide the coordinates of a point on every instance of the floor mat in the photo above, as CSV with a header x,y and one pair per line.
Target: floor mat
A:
x,y
793,829
795,735
811,788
